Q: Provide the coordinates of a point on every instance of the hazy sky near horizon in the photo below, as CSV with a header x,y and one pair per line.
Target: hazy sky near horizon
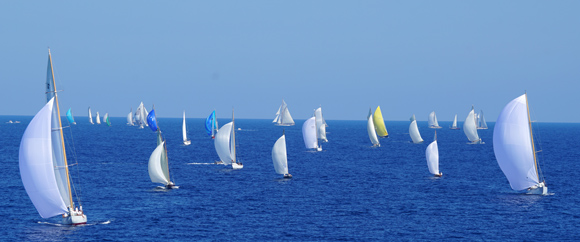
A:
x,y
409,57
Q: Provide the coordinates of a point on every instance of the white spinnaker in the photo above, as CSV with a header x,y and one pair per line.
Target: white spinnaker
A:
x,y
512,145
155,167
320,127
470,128
309,133
371,130
279,156
433,120
222,143
36,165
432,154
414,132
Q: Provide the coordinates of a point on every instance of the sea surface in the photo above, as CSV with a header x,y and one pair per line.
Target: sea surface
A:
x,y
349,191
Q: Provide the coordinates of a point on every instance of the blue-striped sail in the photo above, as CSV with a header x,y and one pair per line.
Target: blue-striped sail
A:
x,y
210,124
152,121
70,117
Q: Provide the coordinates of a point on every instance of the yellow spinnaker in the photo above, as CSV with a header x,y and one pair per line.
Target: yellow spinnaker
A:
x,y
380,123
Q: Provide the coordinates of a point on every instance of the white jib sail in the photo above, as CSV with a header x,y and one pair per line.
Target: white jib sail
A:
x,y
512,145
286,118
90,116
223,145
414,132
155,168
36,165
371,130
470,128
277,114
98,118
309,133
432,154
320,127
454,125
130,118
279,156
433,120
184,128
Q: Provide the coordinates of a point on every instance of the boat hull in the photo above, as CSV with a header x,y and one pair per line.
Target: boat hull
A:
x,y
237,166
187,142
539,189
77,218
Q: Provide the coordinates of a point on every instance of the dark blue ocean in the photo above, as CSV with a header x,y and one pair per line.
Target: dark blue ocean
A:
x,y
349,191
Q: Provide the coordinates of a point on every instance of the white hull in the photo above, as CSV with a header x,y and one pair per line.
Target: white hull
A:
x,y
287,175
435,127
277,124
75,219
539,189
319,149
187,142
476,142
237,166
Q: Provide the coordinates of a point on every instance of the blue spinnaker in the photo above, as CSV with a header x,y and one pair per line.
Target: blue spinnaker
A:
x,y
152,121
69,116
209,123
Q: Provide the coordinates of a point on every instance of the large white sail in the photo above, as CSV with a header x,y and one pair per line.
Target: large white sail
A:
x,y
309,133
223,143
98,118
37,167
433,121
470,128
371,129
432,154
283,117
414,132
512,145
156,171
320,127
279,156
90,116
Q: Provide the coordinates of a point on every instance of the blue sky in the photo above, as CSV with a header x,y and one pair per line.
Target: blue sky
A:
x,y
409,57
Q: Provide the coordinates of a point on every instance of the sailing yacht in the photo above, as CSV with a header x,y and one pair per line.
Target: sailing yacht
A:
x,y
310,135
320,126
454,125
211,125
225,145
433,121
184,131
106,119
280,158
98,118
44,167
283,117
371,129
158,161
470,128
414,131
432,154
90,116
481,124
514,148
130,118
380,123
70,117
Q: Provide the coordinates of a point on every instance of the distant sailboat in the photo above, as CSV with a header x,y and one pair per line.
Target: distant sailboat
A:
x,y
158,161
380,123
141,116
320,127
454,125
283,117
470,128
309,134
98,118
225,145
481,124
211,125
515,152
90,116
106,119
414,131
130,118
371,129
70,117
432,154
280,158
43,163
184,131
433,121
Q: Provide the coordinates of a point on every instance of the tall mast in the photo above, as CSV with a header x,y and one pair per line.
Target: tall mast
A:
x,y
60,130
532,137
234,134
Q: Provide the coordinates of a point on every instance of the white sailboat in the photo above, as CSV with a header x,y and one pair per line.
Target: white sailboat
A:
x,y
310,135
515,152
141,116
184,131
371,129
283,117
225,145
470,128
481,124
320,127
90,116
414,132
106,119
98,118
43,163
433,121
280,158
454,125
130,118
432,154
158,165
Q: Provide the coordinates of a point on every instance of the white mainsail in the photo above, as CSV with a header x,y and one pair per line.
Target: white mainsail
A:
x,y
371,129
433,121
470,128
279,156
432,154
184,131
454,125
223,144
283,117
130,118
514,147
155,167
320,127
98,118
309,133
414,132
90,116
481,121
37,167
